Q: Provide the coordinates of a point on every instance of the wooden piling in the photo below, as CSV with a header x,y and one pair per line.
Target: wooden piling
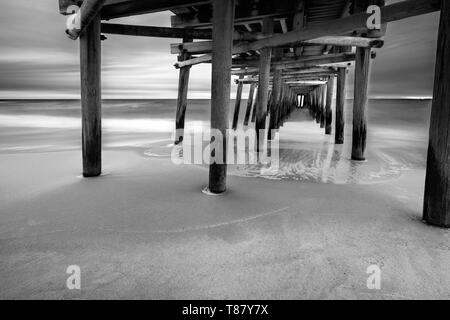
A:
x,y
437,184
223,26
340,102
251,95
237,106
183,83
91,101
323,98
362,70
317,103
255,105
328,111
276,95
264,76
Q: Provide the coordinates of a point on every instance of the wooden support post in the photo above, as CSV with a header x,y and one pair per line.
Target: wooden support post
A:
x,y
362,70
237,106
183,83
264,77
223,25
317,103
251,95
437,184
299,22
276,94
340,102
323,98
280,107
328,111
283,106
313,103
91,101
255,105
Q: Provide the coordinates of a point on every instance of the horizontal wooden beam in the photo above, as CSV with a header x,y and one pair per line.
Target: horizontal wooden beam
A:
x,y
310,70
300,62
343,41
305,70
161,32
307,83
206,46
180,22
165,32
131,8
312,74
325,73
393,12
308,61
245,71
191,47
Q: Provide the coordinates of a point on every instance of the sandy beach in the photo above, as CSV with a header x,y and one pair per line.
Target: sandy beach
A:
x,y
145,230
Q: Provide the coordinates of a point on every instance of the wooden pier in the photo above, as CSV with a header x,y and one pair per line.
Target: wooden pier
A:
x,y
291,53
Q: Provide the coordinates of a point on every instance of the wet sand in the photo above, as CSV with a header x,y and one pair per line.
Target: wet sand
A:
x,y
145,230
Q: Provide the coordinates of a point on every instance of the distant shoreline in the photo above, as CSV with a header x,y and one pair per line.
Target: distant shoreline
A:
x,y
30,100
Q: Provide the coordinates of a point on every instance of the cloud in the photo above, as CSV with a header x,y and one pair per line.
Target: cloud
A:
x,y
37,60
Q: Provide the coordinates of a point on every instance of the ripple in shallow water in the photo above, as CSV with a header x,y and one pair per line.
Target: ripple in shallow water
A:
x,y
326,163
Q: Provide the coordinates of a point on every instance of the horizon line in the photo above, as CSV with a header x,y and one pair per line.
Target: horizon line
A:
x,y
106,99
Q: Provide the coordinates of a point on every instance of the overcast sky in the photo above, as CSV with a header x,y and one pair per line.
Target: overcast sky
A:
x,y
37,60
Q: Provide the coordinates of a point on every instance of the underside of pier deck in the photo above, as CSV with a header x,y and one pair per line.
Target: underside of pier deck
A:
x,y
283,50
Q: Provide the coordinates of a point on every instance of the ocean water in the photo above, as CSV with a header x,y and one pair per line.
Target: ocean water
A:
x,y
397,136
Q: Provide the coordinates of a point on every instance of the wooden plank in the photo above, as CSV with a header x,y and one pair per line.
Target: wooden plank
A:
x,y
362,70
393,12
91,103
437,183
223,21
340,102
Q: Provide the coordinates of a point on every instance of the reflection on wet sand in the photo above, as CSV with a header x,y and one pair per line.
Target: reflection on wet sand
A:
x,y
307,154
